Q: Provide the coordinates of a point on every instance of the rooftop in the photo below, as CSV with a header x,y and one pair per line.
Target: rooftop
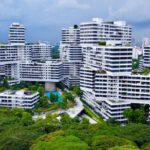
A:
x,y
19,93
115,102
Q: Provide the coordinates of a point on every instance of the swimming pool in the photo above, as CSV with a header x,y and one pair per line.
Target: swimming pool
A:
x,y
60,99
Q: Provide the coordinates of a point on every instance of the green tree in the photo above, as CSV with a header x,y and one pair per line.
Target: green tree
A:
x,y
5,83
56,98
69,96
2,89
135,116
135,63
17,137
26,119
61,143
52,97
41,91
75,26
33,88
105,142
138,133
146,71
17,112
66,121
77,90
146,146
124,147
44,102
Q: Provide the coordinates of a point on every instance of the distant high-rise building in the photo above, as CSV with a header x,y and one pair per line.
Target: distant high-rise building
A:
x,y
146,52
17,34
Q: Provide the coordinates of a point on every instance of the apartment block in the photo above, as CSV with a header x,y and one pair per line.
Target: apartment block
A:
x,y
71,55
97,30
106,76
20,99
16,34
48,71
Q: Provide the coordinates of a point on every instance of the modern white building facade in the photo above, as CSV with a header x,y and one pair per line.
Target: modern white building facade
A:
x,y
106,78
71,55
146,52
97,30
28,62
48,71
20,99
17,34
96,54
38,51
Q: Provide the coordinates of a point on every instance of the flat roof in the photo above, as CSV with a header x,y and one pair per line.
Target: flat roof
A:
x,y
18,93
115,102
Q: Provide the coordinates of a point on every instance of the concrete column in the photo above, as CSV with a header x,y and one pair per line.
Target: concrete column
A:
x,y
50,86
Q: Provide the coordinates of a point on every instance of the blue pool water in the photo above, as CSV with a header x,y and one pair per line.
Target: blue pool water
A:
x,y
60,99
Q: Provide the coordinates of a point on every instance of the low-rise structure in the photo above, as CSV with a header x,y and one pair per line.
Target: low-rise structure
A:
x,y
20,99
114,109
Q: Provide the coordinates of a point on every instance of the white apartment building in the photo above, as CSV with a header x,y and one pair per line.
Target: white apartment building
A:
x,y
97,30
20,99
9,61
98,54
16,57
71,55
8,54
106,75
17,34
99,86
137,51
71,73
70,35
111,58
38,51
141,61
44,71
133,88
114,109
146,52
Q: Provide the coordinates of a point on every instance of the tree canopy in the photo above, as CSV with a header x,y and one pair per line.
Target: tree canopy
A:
x,y
19,132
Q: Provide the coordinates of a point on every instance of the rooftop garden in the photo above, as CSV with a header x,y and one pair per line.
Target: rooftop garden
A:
x,y
39,61
145,71
3,46
101,71
109,22
76,26
102,43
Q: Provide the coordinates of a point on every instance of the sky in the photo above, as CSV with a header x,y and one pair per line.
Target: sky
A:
x,y
44,19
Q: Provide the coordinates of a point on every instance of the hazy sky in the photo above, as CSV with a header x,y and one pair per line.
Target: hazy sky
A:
x,y
45,18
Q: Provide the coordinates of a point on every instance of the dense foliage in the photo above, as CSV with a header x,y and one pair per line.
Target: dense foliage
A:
x,y
19,132
135,116
135,64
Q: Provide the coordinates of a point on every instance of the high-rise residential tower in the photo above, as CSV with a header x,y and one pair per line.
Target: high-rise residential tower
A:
x,y
146,52
17,34
106,78
71,54
98,30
